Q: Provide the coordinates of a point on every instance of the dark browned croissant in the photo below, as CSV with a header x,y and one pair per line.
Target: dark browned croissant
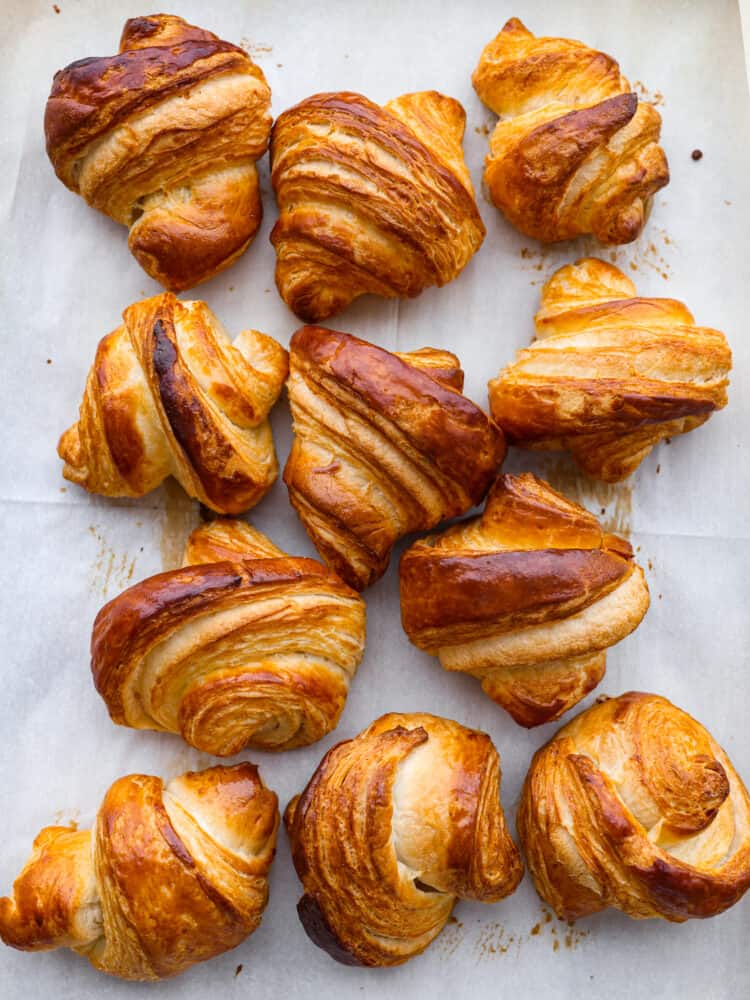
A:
x,y
371,199
384,444
163,137
394,827
168,877
169,394
527,598
245,646
634,805
575,151
610,374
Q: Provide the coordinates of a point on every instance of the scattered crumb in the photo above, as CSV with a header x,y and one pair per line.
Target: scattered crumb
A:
x,y
279,65
63,489
658,469
55,8
650,564
659,596
603,510
600,699
231,288
656,98
555,945
238,970
482,129
49,361
727,202
266,290
255,48
697,154
535,930
667,440
452,919
633,266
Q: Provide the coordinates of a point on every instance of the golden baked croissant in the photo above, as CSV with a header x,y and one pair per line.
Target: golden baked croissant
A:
x,y
634,805
371,199
610,374
169,394
526,598
575,151
163,138
168,877
384,444
245,646
394,827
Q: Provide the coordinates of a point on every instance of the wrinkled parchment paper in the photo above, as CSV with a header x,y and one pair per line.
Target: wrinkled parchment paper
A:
x,y
66,276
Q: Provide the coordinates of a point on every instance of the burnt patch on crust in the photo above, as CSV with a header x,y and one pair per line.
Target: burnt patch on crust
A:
x,y
320,932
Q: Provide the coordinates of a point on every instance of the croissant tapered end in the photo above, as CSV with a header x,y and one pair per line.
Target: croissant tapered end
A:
x,y
575,151
163,137
610,374
394,827
169,394
168,877
526,598
384,444
243,646
371,199
634,805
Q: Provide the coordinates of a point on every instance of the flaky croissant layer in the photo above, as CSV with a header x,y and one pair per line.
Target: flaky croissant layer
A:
x,y
384,444
169,876
371,199
575,152
610,374
634,805
394,827
244,646
163,137
526,598
169,394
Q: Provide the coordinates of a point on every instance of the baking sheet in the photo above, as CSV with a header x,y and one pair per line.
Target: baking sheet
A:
x,y
67,274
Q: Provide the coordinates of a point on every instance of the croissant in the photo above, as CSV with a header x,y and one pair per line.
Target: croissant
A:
x,y
610,374
245,646
370,199
169,394
634,805
163,138
168,877
526,598
394,827
384,444
575,152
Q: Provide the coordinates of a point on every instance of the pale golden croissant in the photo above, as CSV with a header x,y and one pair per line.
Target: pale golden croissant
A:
x,y
526,598
384,444
168,877
170,395
610,374
634,805
371,199
163,138
394,827
245,646
575,151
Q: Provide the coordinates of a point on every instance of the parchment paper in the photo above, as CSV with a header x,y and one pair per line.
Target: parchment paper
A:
x,y
66,276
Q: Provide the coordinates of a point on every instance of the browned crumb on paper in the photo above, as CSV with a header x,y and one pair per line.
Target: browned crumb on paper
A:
x,y
697,154
255,48
55,8
238,970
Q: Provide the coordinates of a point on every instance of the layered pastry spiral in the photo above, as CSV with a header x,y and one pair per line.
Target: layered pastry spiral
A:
x,y
244,646
371,199
170,395
394,827
634,805
163,137
575,152
384,444
169,876
610,374
526,598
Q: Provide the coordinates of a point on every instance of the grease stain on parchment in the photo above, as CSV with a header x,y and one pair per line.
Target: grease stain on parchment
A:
x,y
612,503
109,568
178,519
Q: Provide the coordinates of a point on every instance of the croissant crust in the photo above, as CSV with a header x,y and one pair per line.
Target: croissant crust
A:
x,y
168,877
393,827
163,137
575,152
634,805
384,444
526,598
169,394
245,646
371,199
610,374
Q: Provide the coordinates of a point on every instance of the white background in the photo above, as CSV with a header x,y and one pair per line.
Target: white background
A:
x,y
67,274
